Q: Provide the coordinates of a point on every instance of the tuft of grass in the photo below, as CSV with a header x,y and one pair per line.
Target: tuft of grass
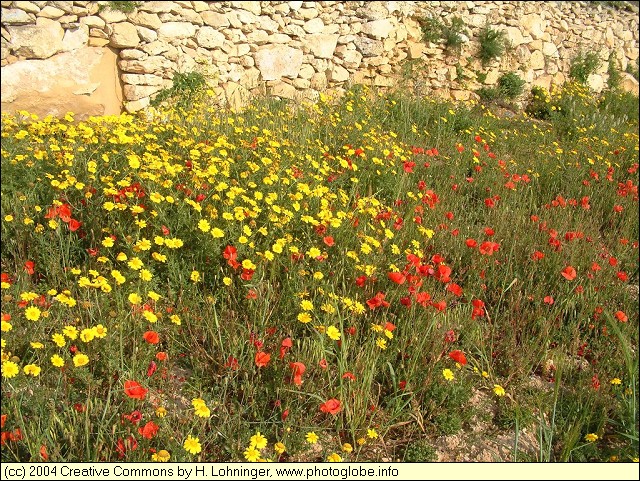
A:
x,y
492,44
583,65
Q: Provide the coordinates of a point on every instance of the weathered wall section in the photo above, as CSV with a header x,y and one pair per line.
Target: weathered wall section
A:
x,y
289,49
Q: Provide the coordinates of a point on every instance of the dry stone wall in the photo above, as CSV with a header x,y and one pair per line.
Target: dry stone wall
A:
x,y
290,49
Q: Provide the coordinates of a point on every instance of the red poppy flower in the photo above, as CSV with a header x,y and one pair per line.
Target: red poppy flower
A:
x,y
74,225
332,406
151,337
134,417
298,371
455,288
29,267
489,231
621,316
471,243
488,248
349,376
377,301
328,240
323,363
622,276
548,300
397,277
230,253
262,359
285,346
161,356
232,363
149,430
135,390
43,452
458,356
153,367
569,273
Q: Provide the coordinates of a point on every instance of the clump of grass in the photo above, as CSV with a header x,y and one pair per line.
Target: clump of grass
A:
x,y
492,44
583,65
122,5
510,87
184,91
452,34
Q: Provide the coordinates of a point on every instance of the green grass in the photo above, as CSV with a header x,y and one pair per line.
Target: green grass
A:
x,y
425,242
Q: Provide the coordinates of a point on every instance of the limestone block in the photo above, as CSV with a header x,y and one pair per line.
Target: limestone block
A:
x,y
276,61
322,45
41,40
124,35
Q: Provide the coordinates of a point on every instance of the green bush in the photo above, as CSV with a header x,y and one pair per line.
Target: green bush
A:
x,y
420,452
122,6
186,86
613,82
453,33
539,103
583,65
510,85
493,43
431,29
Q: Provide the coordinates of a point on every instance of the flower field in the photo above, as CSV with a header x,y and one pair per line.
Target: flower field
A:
x,y
325,282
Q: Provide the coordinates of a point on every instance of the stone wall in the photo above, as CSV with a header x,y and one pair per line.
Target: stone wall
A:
x,y
289,49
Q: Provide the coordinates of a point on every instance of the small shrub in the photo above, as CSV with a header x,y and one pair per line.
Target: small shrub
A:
x,y
510,85
488,94
122,6
453,34
431,29
186,86
583,65
434,31
613,82
539,103
633,71
493,43
420,452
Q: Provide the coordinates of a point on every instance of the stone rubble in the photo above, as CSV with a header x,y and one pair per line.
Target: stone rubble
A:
x,y
296,49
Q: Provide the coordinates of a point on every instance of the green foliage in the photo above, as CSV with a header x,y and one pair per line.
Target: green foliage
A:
x,y
511,85
123,6
583,65
633,70
492,44
538,105
614,79
420,451
433,30
186,87
453,34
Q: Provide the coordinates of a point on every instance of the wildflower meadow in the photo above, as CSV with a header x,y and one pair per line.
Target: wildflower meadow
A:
x,y
351,279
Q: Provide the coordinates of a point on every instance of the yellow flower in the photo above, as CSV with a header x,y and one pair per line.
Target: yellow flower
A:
x,y
99,331
80,360
347,448
279,448
381,343
161,411
251,454
57,361
615,381
161,456
333,333
448,374
312,438
591,437
10,369
334,458
371,433
175,319
202,410
107,242
32,369
499,390
204,225
58,339
227,281
6,326
217,233
192,445
36,345
304,317
135,264
258,441
195,276
87,335
134,298
306,305
32,313
150,316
